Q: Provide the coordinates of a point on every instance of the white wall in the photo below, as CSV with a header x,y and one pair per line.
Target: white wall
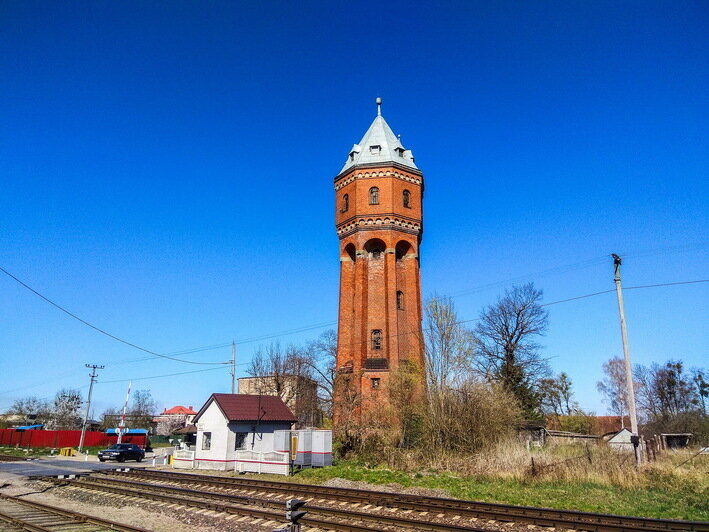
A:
x,y
222,454
216,457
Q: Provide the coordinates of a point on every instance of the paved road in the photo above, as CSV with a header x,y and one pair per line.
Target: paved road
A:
x,y
60,466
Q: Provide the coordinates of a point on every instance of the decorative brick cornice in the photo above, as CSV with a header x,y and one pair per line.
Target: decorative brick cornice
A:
x,y
376,223
375,173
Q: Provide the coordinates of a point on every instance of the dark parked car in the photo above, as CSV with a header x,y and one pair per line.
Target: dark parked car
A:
x,y
122,452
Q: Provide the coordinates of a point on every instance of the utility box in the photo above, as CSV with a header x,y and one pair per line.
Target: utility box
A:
x,y
305,448
314,446
322,448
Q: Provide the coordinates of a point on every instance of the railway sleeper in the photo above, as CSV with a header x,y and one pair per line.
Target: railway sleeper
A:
x,y
547,517
345,520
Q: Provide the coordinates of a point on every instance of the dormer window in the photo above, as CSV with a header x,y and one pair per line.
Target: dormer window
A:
x,y
354,151
400,151
375,150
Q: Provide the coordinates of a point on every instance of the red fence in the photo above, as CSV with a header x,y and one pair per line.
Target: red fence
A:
x,y
63,438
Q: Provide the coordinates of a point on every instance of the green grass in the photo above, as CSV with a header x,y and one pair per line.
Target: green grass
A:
x,y
661,497
24,453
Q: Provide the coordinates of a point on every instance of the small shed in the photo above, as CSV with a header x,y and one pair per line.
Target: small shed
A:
x,y
620,441
676,441
228,424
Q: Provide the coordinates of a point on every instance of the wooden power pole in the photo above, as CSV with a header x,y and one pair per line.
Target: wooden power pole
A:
x,y
617,261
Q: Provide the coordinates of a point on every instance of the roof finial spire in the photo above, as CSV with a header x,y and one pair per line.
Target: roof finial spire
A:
x,y
379,106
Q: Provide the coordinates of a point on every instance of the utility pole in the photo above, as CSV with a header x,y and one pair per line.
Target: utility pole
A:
x,y
617,261
93,375
233,367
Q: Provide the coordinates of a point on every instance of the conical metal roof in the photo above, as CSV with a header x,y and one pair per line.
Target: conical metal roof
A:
x,y
379,145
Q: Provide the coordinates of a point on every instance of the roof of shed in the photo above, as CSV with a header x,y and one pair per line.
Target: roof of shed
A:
x,y
241,407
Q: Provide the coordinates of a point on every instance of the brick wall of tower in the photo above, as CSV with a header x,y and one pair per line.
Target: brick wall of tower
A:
x,y
369,284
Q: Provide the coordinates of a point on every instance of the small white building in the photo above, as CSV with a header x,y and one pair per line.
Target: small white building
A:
x,y
231,423
620,441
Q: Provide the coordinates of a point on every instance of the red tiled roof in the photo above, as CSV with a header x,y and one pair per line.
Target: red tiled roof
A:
x,y
182,410
241,407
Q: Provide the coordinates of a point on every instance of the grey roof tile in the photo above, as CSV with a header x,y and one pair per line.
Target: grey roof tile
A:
x,y
379,145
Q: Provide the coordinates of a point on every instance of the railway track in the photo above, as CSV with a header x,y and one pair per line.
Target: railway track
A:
x,y
413,504
322,517
20,514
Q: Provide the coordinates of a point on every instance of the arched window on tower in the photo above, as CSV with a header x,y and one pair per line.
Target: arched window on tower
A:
x,y
374,196
400,300
345,203
402,249
376,339
407,199
375,248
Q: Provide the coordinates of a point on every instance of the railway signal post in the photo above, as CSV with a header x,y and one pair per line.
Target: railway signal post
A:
x,y
293,514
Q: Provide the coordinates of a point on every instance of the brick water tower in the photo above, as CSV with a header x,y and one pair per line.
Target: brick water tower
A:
x,y
378,215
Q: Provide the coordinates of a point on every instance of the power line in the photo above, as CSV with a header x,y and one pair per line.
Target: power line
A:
x,y
560,269
98,329
585,296
666,284
166,375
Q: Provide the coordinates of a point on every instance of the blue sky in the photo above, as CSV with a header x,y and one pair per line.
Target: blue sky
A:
x,y
167,174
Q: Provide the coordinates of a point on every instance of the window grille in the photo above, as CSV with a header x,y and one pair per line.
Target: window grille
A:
x,y
376,339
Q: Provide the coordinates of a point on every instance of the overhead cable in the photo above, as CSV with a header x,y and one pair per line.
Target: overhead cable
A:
x,y
102,331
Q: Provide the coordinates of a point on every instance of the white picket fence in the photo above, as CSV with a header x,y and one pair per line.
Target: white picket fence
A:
x,y
273,462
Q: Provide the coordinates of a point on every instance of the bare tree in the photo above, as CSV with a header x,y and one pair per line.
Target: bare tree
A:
x,y
287,374
167,425
110,417
346,410
32,409
449,347
405,398
557,395
613,386
508,352
321,356
66,410
702,387
671,400
666,390
142,409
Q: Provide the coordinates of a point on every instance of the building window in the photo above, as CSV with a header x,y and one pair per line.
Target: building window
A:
x,y
375,150
375,382
407,199
400,300
377,339
345,203
240,441
206,441
374,196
